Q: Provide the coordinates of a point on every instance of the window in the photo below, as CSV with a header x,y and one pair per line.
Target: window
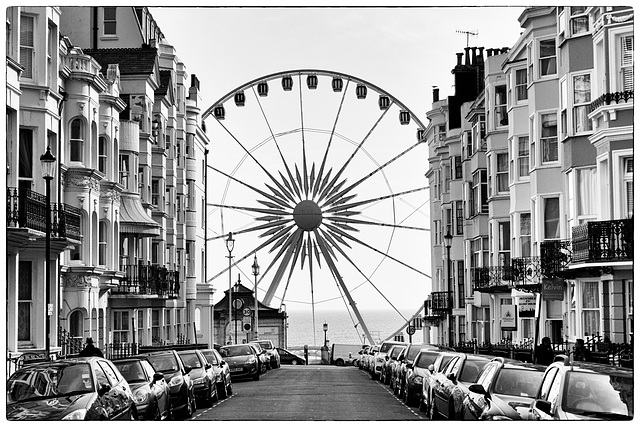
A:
x,y
155,191
154,253
564,101
459,217
120,326
521,85
436,184
504,244
581,101
547,57
626,63
551,218
590,308
549,137
579,20
167,323
102,154
77,140
502,172
478,134
436,232
457,167
442,132
627,179
109,21
523,156
124,170
480,252
155,326
102,237
25,160
27,46
446,214
462,323
586,192
52,47
447,177
478,193
460,276
25,300
525,234
140,327
501,118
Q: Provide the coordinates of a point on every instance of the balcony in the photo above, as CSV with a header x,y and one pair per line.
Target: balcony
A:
x,y
28,209
492,279
441,302
555,257
608,98
152,280
600,241
527,273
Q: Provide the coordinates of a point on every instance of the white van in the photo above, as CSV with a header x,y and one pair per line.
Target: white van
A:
x,y
344,354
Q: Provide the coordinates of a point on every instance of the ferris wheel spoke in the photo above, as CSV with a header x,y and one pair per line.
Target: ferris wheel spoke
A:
x,y
333,234
278,212
288,251
293,264
332,200
279,202
340,207
381,224
338,277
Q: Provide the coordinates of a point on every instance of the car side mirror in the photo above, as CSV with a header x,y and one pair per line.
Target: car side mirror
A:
x,y
158,377
103,388
409,365
386,358
401,358
544,406
221,363
478,388
431,368
187,369
207,366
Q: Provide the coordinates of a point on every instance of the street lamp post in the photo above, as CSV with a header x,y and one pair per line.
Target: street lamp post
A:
x,y
255,268
48,162
325,328
448,238
230,243
324,351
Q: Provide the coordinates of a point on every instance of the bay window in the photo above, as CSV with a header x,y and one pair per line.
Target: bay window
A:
x,y
500,118
523,156
551,214
120,326
27,46
521,85
77,140
626,62
579,20
549,137
581,101
502,172
525,234
547,54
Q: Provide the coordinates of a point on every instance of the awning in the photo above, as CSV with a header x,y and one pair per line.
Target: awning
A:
x,y
134,219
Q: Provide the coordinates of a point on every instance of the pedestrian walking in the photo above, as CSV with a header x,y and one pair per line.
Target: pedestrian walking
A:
x,y
544,353
90,349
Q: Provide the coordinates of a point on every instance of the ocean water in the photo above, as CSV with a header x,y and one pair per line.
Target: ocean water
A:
x,y
381,324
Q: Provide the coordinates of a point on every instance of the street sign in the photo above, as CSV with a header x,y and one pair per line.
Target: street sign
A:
x,y
411,330
246,323
246,312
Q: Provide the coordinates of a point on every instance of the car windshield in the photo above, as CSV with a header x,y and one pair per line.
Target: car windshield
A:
x,y
518,382
471,369
191,359
396,351
413,352
423,360
131,371
54,380
265,344
590,393
384,348
210,356
165,363
241,350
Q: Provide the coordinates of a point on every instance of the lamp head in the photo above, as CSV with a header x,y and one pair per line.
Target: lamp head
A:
x,y
448,238
325,327
48,162
230,242
255,267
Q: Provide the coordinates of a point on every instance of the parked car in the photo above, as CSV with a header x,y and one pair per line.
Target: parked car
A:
x,y
263,357
202,375
221,369
151,392
289,358
417,373
271,350
368,359
438,366
379,358
451,386
167,362
583,391
504,391
395,370
242,360
86,388
389,358
363,355
344,354
406,362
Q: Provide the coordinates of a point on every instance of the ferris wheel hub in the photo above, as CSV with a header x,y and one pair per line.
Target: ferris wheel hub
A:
x,y
307,215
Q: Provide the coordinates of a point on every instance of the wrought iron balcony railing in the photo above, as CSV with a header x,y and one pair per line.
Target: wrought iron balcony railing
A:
x,y
527,273
608,98
597,241
555,257
149,280
28,209
492,279
441,302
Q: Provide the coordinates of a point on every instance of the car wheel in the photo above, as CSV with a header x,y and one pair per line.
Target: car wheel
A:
x,y
294,362
229,390
157,416
222,390
132,413
452,411
422,407
339,362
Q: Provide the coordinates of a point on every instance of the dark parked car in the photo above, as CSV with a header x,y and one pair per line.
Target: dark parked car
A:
x,y
583,391
175,372
504,391
289,358
406,363
271,350
221,369
242,360
86,388
450,387
438,366
151,392
389,358
417,373
264,359
202,375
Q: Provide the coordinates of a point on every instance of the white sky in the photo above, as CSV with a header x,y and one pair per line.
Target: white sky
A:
x,y
403,50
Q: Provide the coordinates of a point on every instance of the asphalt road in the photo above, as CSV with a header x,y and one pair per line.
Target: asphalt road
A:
x,y
310,393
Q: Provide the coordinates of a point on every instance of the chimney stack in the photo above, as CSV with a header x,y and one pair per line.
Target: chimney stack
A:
x,y
436,94
466,56
459,55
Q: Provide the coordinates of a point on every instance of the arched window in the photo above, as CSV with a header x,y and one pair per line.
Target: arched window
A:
x,y
102,239
76,324
102,154
77,140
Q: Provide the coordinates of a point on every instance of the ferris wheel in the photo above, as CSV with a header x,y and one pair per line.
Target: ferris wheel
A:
x,y
321,175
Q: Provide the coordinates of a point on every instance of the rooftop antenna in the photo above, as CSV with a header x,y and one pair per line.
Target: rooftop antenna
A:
x,y
468,33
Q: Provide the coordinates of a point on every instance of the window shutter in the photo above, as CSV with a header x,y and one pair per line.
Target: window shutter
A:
x,y
627,63
26,45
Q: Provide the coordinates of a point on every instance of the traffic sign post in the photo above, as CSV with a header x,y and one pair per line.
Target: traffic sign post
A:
x,y
410,331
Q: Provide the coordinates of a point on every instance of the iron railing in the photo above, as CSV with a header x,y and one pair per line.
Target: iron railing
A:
x,y
69,345
527,273
492,279
555,257
28,209
150,279
608,98
441,302
597,241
